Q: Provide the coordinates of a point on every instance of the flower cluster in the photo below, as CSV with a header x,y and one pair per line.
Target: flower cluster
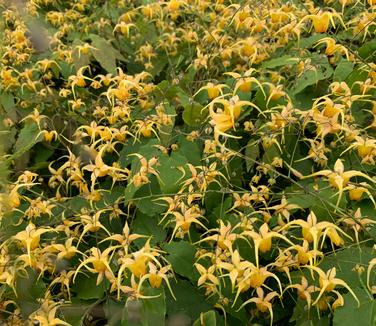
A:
x,y
156,150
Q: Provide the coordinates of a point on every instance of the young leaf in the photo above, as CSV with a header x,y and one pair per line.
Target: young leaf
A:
x,y
181,256
252,153
208,319
169,173
105,53
148,225
86,288
281,61
194,114
189,303
27,138
364,315
343,70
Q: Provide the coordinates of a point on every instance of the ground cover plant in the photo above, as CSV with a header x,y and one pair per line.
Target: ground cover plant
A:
x,y
187,162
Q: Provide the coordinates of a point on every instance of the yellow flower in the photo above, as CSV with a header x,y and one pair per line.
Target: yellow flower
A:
x,y
213,90
304,291
206,274
66,250
124,28
224,119
283,209
136,263
101,264
263,303
156,276
244,82
356,193
236,268
185,218
372,264
332,47
125,239
304,254
313,231
50,135
322,20
328,282
79,79
224,236
45,315
358,223
338,178
263,239
30,238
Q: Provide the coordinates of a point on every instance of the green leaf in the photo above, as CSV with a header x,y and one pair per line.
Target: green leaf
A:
x,y
126,159
270,153
105,53
166,91
4,170
7,102
252,153
350,312
129,192
165,131
169,173
322,70
304,317
194,114
148,225
281,61
148,150
207,319
29,288
27,138
75,204
343,70
191,150
306,98
111,196
311,78
357,75
133,314
66,68
181,255
145,197
155,308
10,135
114,312
345,262
73,314
321,201
85,287
147,30
189,75
368,50
188,305
158,65
260,100
148,312
307,42
41,157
